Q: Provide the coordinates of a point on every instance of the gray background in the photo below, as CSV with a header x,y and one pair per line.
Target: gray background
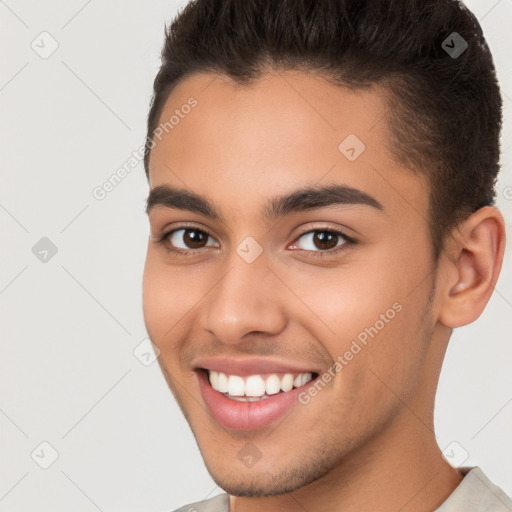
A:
x,y
70,324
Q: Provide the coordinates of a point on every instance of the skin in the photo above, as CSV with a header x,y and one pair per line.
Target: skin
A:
x,y
366,441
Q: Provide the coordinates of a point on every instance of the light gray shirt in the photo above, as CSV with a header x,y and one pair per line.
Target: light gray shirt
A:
x,y
475,493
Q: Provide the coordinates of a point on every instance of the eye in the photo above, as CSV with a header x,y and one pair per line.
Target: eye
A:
x,y
191,239
325,240
320,242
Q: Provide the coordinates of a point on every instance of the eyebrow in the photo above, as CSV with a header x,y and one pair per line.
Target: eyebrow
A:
x,y
304,199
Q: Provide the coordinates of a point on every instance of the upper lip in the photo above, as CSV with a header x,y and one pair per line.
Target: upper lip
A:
x,y
250,366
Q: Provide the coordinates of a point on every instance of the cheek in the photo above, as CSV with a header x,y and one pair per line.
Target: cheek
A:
x,y
338,304
162,295
387,355
366,317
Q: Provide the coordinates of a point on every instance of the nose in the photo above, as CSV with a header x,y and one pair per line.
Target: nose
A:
x,y
247,299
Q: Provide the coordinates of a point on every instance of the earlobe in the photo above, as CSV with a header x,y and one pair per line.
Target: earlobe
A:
x,y
477,255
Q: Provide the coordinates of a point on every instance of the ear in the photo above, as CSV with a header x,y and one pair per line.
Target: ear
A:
x,y
474,258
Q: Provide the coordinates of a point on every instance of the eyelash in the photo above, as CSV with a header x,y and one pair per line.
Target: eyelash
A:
x,y
349,241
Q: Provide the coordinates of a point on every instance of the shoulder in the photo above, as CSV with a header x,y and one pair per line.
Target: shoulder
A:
x,y
218,503
477,493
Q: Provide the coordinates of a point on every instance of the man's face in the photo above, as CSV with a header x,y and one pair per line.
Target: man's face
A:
x,y
286,289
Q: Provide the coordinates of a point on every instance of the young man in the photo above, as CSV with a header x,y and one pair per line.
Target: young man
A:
x,y
321,208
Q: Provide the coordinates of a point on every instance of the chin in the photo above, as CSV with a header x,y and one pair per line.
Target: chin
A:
x,y
260,482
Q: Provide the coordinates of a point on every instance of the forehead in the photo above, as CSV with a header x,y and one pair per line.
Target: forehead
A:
x,y
274,135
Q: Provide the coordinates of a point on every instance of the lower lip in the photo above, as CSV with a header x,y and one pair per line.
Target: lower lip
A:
x,y
246,415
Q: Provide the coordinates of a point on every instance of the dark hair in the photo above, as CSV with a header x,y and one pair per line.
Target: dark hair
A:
x,y
444,112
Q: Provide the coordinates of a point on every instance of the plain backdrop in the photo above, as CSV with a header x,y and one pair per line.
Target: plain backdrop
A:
x,y
74,395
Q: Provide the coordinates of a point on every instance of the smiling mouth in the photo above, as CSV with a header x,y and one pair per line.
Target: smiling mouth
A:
x,y
251,401
256,387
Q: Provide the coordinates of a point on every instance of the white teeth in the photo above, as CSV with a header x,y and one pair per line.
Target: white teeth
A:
x,y
222,382
273,384
236,386
248,398
287,382
254,387
214,380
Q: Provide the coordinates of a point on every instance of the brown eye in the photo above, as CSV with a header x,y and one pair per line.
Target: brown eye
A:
x,y
192,238
323,239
